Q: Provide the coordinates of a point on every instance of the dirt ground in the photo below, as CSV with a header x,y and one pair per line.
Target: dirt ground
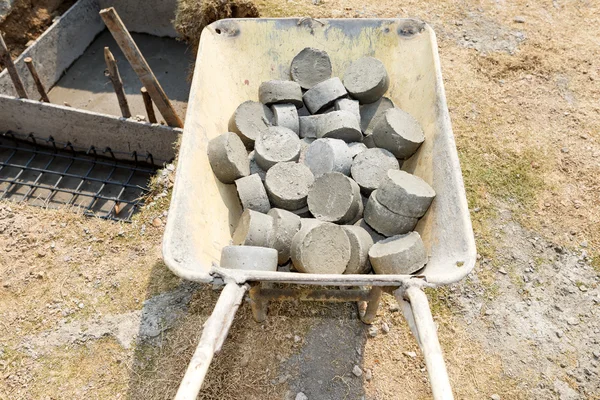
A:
x,y
88,310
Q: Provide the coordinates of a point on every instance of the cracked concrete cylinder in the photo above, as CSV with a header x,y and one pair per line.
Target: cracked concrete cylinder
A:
x,y
228,158
339,125
405,194
249,258
288,185
370,168
321,249
280,92
310,67
371,113
328,155
398,132
385,221
366,79
360,244
324,94
401,254
335,198
249,120
308,126
252,193
285,226
276,144
286,115
352,106
254,229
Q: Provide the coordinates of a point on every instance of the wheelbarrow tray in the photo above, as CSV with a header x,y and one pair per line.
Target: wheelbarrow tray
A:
x,y
234,57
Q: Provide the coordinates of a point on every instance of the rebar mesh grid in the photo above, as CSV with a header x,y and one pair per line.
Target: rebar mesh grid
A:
x,y
43,172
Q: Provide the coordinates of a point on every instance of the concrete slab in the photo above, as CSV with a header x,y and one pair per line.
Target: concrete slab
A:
x,y
84,85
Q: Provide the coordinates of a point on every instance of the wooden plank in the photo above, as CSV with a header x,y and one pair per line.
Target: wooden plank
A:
x,y
7,61
140,66
36,78
115,78
148,105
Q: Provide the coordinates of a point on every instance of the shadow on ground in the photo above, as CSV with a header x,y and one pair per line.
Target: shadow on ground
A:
x,y
301,347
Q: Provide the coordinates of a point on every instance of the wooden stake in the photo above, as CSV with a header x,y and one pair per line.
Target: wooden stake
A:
x,y
115,78
12,70
148,105
36,78
140,66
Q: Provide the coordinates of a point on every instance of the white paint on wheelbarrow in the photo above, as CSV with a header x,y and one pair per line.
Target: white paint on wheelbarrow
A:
x,y
236,60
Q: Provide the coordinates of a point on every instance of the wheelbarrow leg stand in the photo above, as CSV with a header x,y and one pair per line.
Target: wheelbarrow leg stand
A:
x,y
420,320
258,304
214,333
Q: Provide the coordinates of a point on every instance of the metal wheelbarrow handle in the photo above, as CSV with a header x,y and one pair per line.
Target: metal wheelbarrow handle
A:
x,y
415,307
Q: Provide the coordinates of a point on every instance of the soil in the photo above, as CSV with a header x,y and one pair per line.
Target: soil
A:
x,y
28,19
520,79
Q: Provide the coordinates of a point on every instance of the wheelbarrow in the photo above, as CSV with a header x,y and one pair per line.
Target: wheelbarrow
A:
x,y
234,57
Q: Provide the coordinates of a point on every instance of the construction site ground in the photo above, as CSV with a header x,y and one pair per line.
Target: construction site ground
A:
x,y
89,311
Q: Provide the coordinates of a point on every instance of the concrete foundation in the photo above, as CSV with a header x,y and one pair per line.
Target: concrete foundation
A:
x,y
64,46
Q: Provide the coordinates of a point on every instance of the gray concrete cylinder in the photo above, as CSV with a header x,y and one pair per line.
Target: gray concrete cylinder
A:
x,y
321,249
254,229
370,168
350,105
366,79
360,244
335,198
385,221
228,157
371,113
310,67
285,226
280,92
339,125
405,194
252,193
277,144
402,255
249,120
308,126
324,94
249,258
288,185
286,115
328,155
398,132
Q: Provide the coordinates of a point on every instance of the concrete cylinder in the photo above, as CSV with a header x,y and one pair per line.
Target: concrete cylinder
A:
x,y
366,79
370,168
228,157
335,198
321,249
310,67
285,227
249,258
360,244
401,254
339,125
280,92
371,113
249,120
252,193
324,94
254,229
286,115
405,194
277,144
288,185
385,221
398,132
328,155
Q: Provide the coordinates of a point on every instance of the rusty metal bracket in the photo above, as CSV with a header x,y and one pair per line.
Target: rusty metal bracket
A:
x,y
368,299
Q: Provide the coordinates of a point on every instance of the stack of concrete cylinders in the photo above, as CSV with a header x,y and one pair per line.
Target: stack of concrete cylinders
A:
x,y
317,166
